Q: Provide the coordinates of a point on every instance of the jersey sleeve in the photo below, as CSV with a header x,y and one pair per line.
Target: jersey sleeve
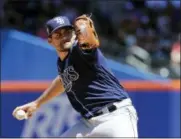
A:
x,y
89,55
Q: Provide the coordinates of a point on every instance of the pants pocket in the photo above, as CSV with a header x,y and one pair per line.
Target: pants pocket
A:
x,y
133,119
132,112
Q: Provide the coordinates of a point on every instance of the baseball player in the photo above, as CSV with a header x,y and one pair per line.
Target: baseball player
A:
x,y
93,90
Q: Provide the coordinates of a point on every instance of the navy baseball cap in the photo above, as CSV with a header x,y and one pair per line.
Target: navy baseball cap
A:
x,y
56,23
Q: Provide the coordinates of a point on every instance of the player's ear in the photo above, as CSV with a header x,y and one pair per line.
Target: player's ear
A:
x,y
49,40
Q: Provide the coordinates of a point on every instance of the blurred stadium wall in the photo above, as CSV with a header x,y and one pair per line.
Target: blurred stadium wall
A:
x,y
28,66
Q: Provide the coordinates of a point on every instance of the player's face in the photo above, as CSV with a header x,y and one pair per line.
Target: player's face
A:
x,y
62,39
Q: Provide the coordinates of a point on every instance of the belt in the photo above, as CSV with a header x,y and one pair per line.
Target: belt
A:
x,y
110,108
107,109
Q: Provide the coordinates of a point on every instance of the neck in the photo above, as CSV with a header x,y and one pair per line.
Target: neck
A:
x,y
62,55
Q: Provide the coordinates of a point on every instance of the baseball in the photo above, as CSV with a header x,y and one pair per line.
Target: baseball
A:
x,y
20,115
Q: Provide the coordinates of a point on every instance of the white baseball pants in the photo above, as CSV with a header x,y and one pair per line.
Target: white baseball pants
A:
x,y
119,123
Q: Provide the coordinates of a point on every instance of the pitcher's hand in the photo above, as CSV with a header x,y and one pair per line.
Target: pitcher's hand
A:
x,y
28,108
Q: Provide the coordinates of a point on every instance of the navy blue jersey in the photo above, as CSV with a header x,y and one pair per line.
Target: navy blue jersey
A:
x,y
88,81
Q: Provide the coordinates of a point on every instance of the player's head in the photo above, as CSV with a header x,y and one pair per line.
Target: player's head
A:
x,y
61,34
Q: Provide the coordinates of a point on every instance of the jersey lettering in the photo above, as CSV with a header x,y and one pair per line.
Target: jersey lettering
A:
x,y
68,76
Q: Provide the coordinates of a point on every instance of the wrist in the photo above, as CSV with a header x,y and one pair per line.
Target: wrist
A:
x,y
38,103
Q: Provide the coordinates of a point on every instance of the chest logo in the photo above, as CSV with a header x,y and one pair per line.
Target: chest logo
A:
x,y
68,76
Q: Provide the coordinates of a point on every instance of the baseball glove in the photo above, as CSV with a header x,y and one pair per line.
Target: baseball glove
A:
x,y
85,32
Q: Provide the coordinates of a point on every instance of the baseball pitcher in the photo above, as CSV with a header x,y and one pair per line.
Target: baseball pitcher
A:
x,y
93,90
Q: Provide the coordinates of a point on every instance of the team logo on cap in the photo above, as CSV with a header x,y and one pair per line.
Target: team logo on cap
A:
x,y
59,20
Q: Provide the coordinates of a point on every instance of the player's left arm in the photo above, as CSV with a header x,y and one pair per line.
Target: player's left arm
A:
x,y
86,33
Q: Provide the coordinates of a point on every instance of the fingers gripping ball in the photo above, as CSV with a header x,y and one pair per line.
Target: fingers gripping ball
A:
x,y
85,31
21,115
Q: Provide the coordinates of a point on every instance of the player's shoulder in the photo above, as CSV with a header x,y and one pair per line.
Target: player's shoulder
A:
x,y
83,50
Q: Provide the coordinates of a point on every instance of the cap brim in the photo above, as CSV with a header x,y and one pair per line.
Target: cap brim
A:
x,y
59,28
